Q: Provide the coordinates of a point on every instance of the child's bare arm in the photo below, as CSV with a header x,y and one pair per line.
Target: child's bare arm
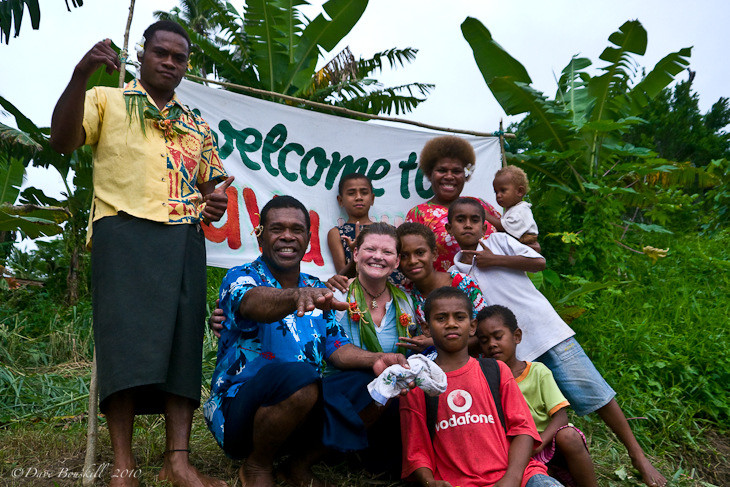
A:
x,y
520,450
486,258
496,221
557,421
338,253
424,476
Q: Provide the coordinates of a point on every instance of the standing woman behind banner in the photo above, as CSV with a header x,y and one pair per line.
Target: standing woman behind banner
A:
x,y
447,162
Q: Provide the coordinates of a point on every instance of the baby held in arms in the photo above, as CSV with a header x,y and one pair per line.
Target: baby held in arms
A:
x,y
510,187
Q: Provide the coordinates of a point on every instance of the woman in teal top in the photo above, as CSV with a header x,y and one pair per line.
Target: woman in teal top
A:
x,y
379,311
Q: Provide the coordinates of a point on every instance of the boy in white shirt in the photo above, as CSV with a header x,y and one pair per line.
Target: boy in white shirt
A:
x,y
498,264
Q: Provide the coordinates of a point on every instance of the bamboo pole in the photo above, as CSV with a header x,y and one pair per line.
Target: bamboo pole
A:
x,y
344,111
92,427
125,47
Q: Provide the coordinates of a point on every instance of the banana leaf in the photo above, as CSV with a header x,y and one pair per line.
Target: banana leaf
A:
x,y
629,39
572,90
658,78
264,22
493,61
11,177
18,144
31,227
11,12
517,97
324,34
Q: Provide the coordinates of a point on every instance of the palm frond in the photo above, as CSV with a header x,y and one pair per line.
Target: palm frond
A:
x,y
395,99
394,57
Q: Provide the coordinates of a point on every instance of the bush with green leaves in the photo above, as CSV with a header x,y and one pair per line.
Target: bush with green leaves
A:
x,y
594,194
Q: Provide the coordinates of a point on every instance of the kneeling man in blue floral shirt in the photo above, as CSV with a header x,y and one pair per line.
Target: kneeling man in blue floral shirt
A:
x,y
279,332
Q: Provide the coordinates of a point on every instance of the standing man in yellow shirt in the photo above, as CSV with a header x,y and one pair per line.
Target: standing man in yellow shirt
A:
x,y
156,166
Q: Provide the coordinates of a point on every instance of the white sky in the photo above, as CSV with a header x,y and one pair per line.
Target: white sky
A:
x,y
542,35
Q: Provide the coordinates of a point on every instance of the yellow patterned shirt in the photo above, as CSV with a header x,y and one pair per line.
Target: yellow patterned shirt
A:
x,y
148,175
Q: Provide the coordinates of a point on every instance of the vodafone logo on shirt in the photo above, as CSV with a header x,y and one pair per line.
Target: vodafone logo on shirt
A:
x,y
460,401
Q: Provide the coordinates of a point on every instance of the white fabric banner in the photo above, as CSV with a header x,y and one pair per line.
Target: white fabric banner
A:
x,y
275,149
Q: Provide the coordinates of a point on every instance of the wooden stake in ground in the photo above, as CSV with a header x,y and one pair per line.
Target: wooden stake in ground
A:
x,y
92,429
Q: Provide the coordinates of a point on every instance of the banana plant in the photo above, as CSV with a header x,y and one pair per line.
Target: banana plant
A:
x,y
17,148
12,11
33,213
271,45
587,179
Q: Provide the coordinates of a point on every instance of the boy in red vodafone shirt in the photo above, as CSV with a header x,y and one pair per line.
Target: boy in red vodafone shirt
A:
x,y
470,447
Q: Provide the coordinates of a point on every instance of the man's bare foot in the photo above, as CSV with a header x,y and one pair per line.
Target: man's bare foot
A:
x,y
299,474
178,471
649,474
253,475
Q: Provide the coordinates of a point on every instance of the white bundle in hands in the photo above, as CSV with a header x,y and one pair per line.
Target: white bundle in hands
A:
x,y
424,372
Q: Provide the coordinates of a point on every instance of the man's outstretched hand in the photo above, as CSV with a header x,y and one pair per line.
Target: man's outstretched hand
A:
x,y
309,298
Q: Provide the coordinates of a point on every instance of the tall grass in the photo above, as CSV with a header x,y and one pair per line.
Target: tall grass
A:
x,y
660,339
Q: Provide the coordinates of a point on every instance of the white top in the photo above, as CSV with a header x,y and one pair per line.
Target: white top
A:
x,y
542,327
518,220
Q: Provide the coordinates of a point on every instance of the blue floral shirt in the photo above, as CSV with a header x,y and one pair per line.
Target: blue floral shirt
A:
x,y
246,346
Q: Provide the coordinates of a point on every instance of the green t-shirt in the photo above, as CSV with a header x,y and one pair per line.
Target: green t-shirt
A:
x,y
541,393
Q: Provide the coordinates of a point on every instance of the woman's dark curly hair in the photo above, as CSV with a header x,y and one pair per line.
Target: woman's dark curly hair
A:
x,y
445,146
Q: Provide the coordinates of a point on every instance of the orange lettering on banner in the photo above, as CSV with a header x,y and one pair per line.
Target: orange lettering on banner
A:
x,y
252,206
314,254
231,229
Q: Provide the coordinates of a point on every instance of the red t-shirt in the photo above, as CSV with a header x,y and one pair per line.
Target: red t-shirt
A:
x,y
470,447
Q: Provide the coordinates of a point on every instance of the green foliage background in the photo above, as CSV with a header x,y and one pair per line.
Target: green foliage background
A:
x,y
617,163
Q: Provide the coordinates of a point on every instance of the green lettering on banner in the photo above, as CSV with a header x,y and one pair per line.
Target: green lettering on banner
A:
x,y
272,143
358,165
348,163
406,168
335,167
424,193
291,147
320,159
239,137
378,171
275,151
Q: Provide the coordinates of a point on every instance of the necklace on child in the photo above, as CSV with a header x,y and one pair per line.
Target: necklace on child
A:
x,y
374,303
